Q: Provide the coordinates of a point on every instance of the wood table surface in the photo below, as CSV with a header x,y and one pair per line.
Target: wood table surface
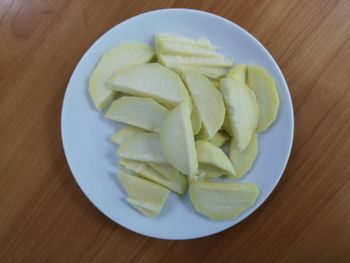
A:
x,y
44,216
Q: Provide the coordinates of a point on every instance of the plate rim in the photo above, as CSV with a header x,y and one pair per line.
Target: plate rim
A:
x,y
261,46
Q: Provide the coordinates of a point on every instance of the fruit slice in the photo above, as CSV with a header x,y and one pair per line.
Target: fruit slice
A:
x,y
126,133
266,93
210,72
143,113
200,42
204,172
150,80
145,196
242,111
165,169
218,61
219,139
216,83
144,147
122,56
185,49
212,159
222,201
176,137
243,160
208,100
196,120
174,182
238,72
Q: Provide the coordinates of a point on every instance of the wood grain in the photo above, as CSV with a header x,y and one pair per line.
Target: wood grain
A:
x,y
44,217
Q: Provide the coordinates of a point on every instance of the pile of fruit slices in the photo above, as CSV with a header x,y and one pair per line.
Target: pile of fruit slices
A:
x,y
181,104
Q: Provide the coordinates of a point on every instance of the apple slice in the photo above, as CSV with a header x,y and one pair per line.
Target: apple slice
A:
x,y
144,147
244,160
219,139
122,56
176,137
196,120
150,80
208,100
266,93
218,61
238,72
200,42
212,158
126,133
174,182
145,196
143,113
208,71
184,49
242,111
222,200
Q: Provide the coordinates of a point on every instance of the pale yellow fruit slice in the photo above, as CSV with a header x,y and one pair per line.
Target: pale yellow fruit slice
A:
x,y
216,83
219,139
143,113
144,147
244,160
126,133
238,72
196,120
150,80
165,169
241,109
174,182
208,71
176,137
208,101
199,42
185,49
205,172
218,61
266,92
145,196
222,200
122,56
212,158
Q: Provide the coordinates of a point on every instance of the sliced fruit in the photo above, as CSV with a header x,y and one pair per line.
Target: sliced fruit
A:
x,y
218,61
212,159
219,139
208,173
222,201
238,72
216,83
145,196
244,160
266,93
200,42
208,101
196,120
185,49
126,133
241,109
176,137
174,182
144,147
150,80
209,71
122,56
143,113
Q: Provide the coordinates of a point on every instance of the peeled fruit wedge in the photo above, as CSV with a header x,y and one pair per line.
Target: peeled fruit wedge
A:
x,y
266,92
219,139
122,56
244,160
174,182
212,159
196,120
145,196
238,72
126,133
208,101
143,113
144,147
212,72
177,141
150,80
222,201
241,109
185,49
200,42
217,61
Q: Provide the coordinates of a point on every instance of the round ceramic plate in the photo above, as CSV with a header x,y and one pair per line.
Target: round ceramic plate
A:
x,y
91,154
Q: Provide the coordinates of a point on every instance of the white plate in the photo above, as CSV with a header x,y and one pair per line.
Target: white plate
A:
x,y
86,133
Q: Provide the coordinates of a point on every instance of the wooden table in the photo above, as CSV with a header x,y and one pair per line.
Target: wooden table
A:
x,y
44,217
